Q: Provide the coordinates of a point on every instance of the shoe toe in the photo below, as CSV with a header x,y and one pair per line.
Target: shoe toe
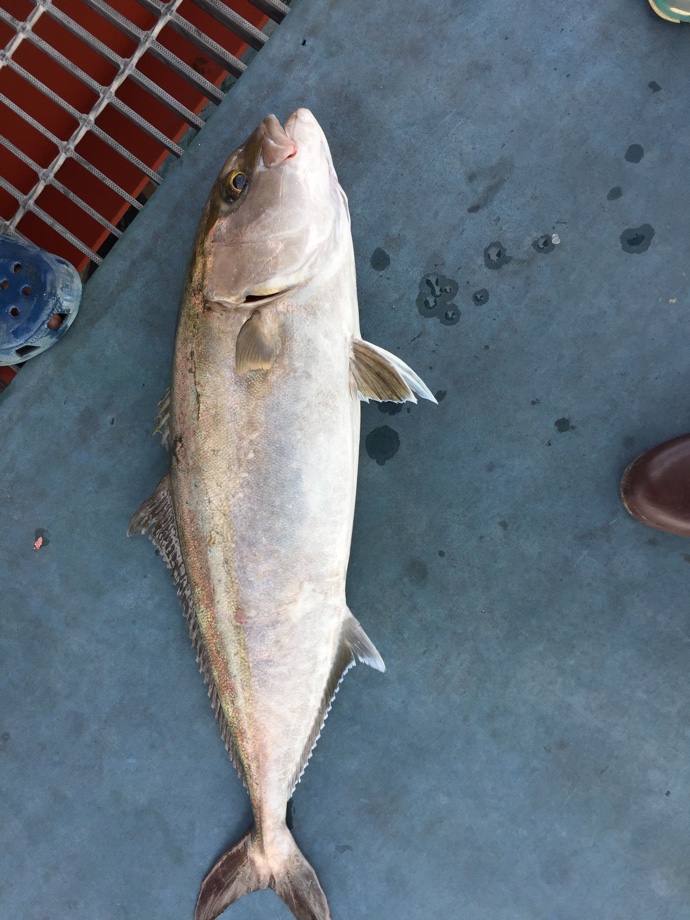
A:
x,y
655,488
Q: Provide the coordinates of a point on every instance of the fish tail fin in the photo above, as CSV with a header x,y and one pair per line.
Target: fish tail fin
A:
x,y
244,868
232,876
297,885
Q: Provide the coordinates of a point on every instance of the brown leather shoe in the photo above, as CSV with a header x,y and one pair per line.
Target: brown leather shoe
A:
x,y
656,487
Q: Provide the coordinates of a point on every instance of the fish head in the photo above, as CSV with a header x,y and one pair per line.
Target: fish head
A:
x,y
276,213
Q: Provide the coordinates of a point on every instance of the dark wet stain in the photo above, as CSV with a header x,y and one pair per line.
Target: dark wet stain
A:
x,y
563,424
112,421
473,208
548,443
418,571
344,848
5,737
481,297
427,305
382,444
441,553
380,259
637,239
686,556
667,793
562,745
652,541
495,255
634,153
436,293
544,244
490,467
487,347
43,536
614,193
290,814
654,86
450,316
390,408
503,525
438,286
535,402
440,395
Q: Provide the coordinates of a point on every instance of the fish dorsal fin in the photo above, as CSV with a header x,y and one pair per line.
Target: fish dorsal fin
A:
x,y
354,645
163,420
258,343
377,374
157,518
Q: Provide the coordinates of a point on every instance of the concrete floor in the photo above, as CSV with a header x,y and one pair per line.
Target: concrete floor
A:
x,y
527,755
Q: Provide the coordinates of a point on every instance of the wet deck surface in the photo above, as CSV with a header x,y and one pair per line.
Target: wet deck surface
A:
x,y
527,754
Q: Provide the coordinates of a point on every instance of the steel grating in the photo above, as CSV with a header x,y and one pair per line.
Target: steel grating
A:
x,y
107,73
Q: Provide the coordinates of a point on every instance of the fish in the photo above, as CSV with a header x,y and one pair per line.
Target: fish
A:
x,y
254,517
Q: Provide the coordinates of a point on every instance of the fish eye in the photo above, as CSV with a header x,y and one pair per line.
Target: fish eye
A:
x,y
235,184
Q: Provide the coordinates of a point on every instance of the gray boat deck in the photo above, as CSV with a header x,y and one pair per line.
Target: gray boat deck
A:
x,y
527,754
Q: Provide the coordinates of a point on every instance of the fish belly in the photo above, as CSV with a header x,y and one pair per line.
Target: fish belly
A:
x,y
263,482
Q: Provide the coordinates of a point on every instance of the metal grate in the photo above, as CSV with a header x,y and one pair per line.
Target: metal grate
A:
x,y
129,79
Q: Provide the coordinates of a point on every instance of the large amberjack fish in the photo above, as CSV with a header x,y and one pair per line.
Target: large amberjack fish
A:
x,y
254,518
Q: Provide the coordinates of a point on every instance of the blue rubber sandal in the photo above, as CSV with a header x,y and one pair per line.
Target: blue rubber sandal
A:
x,y
39,298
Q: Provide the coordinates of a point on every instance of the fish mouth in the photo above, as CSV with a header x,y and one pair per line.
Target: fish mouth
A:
x,y
259,300
277,145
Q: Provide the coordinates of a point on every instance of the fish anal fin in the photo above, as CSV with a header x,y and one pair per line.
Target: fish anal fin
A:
x,y
258,343
156,517
377,374
361,645
163,420
354,645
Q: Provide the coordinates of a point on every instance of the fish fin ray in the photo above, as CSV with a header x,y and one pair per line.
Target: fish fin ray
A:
x,y
354,645
163,420
156,518
235,874
258,344
377,374
230,877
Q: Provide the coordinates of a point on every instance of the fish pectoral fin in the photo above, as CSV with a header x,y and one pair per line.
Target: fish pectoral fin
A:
x,y
354,645
163,420
156,517
377,374
258,343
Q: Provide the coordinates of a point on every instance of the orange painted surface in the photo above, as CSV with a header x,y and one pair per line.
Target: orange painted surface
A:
x,y
74,176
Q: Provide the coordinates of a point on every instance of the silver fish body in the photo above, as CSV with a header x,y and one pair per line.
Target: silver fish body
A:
x,y
255,516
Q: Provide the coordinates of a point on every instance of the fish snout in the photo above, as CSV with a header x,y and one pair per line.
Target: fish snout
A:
x,y
277,145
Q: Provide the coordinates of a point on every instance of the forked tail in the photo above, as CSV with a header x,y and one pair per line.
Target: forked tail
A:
x,y
243,869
